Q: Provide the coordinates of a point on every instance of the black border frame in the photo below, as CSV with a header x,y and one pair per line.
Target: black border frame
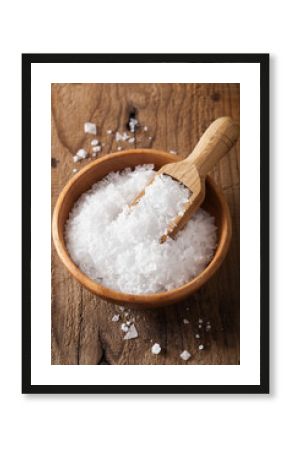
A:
x,y
263,61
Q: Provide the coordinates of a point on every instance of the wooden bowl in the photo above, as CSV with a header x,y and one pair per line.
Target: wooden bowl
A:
x,y
214,203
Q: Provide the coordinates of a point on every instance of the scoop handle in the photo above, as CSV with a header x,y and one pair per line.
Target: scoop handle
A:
x,y
216,141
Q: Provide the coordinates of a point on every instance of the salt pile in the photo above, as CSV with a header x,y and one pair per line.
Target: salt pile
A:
x,y
119,246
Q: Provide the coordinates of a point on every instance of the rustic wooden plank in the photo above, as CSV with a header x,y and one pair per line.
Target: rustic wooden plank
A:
x,y
176,116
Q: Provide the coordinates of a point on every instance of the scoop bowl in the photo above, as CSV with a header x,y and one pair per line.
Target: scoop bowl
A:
x,y
214,203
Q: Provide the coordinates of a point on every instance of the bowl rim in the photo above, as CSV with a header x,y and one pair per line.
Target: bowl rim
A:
x,y
121,298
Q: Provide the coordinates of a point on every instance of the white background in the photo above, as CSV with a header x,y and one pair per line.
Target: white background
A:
x,y
248,372
221,422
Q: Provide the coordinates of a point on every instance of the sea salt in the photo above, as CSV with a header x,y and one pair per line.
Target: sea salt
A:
x,y
121,136
200,347
90,128
133,124
156,349
124,327
116,318
96,149
132,333
81,153
121,246
185,355
186,321
131,140
94,142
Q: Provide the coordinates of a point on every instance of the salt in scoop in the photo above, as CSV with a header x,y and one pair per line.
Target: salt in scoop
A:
x,y
216,141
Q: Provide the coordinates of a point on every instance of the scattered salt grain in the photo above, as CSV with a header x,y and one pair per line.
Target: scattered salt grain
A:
x,y
121,246
76,158
156,349
74,170
185,355
197,336
115,318
94,142
200,347
122,308
174,152
208,327
132,333
81,153
133,124
119,148
131,140
96,149
145,128
199,326
90,128
186,321
200,321
124,327
150,138
121,136
109,131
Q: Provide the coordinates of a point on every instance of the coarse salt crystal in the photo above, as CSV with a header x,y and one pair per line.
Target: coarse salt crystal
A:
x,y
94,142
82,153
124,327
90,128
121,136
131,140
132,333
186,321
197,336
145,128
115,318
156,349
201,347
109,131
121,308
132,124
185,355
74,170
174,152
199,326
200,321
119,148
76,158
96,148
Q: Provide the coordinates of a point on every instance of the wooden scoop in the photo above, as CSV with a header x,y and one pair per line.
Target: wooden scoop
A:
x,y
217,140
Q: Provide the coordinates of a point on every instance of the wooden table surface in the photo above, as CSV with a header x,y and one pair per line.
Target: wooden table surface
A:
x,y
176,115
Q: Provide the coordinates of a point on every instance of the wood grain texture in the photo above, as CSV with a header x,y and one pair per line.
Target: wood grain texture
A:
x,y
176,116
